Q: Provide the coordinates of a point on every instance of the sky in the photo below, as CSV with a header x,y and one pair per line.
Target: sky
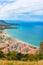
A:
x,y
26,10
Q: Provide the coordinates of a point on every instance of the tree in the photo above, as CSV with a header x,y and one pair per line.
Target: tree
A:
x,y
12,55
41,48
1,54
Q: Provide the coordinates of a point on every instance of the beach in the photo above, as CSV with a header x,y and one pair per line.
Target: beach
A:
x,y
28,32
11,44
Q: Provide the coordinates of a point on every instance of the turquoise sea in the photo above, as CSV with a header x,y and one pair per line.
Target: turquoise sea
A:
x,y
29,32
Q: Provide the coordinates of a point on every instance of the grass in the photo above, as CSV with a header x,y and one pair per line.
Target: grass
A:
x,y
6,62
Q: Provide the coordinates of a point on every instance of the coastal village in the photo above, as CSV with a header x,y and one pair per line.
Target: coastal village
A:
x,y
8,44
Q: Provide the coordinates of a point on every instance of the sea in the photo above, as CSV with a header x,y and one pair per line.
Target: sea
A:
x,y
29,32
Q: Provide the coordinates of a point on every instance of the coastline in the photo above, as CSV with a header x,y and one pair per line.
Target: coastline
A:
x,y
22,41
25,35
26,43
18,45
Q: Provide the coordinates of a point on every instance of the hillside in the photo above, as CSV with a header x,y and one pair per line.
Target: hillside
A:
x,y
5,25
8,44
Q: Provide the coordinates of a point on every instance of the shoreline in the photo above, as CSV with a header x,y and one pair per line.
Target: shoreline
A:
x,y
15,44
23,42
26,43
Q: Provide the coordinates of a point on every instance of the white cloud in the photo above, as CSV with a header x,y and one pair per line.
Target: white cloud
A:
x,y
6,0
17,9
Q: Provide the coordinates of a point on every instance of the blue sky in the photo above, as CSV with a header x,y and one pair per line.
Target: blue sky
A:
x,y
27,10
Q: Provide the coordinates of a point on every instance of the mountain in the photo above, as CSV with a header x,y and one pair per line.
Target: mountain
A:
x,y
5,25
2,22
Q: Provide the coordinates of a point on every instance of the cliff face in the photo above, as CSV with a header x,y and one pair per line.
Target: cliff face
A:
x,y
8,44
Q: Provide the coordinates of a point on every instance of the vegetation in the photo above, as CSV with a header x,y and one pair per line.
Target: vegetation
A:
x,y
14,58
8,62
1,54
23,57
18,56
41,48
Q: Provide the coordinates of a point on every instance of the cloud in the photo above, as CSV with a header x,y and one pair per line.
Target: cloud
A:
x,y
6,1
31,10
